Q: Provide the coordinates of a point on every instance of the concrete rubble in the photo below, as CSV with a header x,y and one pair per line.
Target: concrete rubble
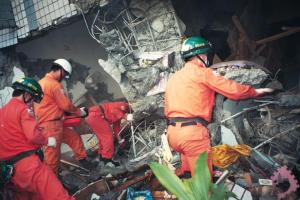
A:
x,y
142,39
141,64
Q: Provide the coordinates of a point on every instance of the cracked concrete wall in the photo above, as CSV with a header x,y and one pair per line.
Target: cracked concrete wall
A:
x,y
10,71
71,42
147,57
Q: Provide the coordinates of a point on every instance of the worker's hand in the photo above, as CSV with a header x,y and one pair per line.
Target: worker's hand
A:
x,y
129,117
84,111
122,143
51,142
262,91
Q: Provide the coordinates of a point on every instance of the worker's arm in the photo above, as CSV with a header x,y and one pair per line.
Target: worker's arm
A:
x,y
63,102
228,88
31,130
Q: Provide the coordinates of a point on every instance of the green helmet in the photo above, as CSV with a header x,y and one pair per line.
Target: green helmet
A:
x,y
31,86
193,46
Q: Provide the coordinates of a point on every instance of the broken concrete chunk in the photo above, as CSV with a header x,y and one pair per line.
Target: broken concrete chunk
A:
x,y
144,79
112,68
139,7
247,76
147,59
78,91
242,71
162,60
276,85
228,136
128,90
289,100
145,107
158,24
161,85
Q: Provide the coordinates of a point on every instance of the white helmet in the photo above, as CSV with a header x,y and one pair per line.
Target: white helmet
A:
x,y
65,65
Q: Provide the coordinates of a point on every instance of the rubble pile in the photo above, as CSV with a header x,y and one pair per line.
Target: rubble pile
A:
x,y
142,39
267,174
254,122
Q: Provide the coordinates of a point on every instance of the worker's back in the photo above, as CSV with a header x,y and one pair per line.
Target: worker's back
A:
x,y
54,102
115,111
14,121
187,95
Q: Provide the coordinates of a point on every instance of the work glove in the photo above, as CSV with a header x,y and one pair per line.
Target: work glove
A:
x,y
129,117
51,142
263,91
84,111
122,143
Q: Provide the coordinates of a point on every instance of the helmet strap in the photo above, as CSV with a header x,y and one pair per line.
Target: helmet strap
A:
x,y
29,103
60,75
26,100
199,57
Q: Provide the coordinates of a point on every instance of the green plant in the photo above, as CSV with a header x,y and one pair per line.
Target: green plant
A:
x,y
199,187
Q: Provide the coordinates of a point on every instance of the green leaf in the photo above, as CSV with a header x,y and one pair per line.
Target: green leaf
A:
x,y
199,187
194,190
201,178
218,192
189,187
170,181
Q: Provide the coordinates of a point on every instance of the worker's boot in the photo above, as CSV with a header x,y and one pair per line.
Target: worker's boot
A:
x,y
87,164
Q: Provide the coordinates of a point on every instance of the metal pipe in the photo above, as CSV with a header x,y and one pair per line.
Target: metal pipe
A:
x,y
279,134
223,177
73,165
133,139
246,110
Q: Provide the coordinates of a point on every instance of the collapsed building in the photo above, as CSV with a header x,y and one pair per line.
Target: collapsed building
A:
x,y
142,43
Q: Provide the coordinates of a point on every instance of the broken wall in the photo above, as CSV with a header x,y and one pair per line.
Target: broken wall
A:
x,y
142,39
71,42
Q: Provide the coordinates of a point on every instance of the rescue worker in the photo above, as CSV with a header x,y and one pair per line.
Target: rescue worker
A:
x,y
20,138
50,112
99,120
189,102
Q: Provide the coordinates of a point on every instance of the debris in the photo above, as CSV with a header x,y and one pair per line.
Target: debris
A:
x,y
262,164
161,86
242,71
99,186
278,36
276,85
265,182
224,155
163,195
247,110
289,100
223,177
73,165
277,135
95,197
144,194
239,191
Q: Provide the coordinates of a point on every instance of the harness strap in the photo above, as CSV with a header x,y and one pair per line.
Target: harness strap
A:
x,y
20,156
187,121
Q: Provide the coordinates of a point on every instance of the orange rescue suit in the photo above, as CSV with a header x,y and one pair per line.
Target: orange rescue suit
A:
x,y
100,119
49,113
190,93
19,133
